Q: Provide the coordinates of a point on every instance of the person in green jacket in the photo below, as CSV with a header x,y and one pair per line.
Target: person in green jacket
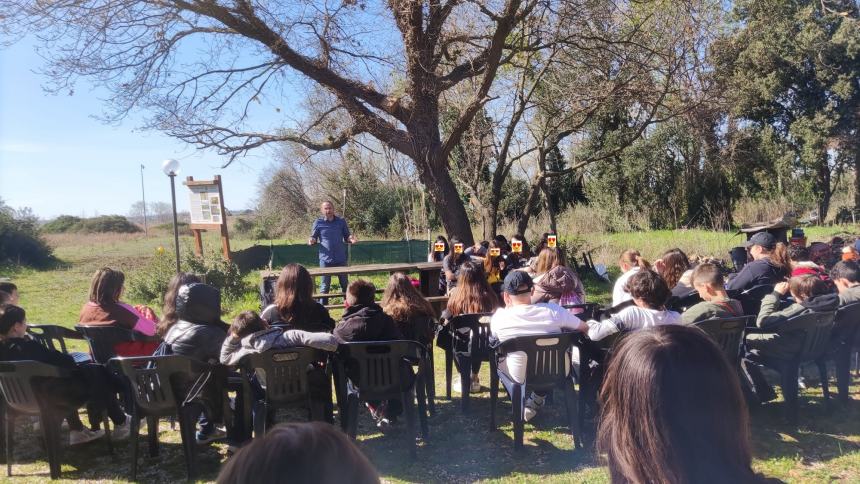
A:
x,y
811,294
709,283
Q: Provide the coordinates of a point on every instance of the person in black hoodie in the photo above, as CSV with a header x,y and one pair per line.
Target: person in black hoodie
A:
x,y
811,294
199,334
89,384
770,263
364,320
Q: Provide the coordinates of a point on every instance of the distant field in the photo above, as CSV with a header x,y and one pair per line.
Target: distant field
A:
x,y
460,449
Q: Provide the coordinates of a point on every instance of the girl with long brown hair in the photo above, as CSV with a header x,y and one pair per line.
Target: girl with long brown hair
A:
x,y
672,411
473,294
411,312
674,267
295,307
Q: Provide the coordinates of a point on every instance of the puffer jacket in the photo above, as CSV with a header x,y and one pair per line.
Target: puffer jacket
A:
x,y
233,349
199,332
555,283
366,323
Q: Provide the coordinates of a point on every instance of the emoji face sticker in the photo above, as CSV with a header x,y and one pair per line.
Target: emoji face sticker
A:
x,y
458,248
495,251
439,247
551,241
516,246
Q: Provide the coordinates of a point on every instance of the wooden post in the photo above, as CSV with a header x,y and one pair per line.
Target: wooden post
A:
x,y
198,242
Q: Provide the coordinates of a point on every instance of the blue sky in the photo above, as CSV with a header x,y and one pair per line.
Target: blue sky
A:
x,y
56,159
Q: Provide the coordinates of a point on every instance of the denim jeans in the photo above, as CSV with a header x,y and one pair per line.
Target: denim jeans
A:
x,y
325,281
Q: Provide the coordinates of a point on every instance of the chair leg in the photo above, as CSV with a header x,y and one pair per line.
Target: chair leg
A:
x,y
517,406
843,372
825,384
494,392
134,431
421,397
51,434
789,376
260,416
449,363
10,439
352,415
430,382
106,422
408,399
152,435
187,425
572,405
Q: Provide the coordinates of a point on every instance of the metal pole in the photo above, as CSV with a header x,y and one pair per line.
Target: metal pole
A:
x,y
175,225
143,195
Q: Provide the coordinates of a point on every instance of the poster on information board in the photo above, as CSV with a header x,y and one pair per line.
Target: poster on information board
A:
x,y
206,207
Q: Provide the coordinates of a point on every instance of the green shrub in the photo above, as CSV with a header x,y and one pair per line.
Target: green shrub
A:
x,y
20,241
62,224
149,283
243,226
108,223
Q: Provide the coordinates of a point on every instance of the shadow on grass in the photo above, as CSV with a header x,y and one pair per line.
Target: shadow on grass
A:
x,y
462,448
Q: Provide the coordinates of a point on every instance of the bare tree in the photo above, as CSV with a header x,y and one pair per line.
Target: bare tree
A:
x,y
384,65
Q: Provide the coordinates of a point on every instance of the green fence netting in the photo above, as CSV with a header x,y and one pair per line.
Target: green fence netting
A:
x,y
364,252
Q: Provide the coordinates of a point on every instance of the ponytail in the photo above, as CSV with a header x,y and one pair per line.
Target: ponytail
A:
x,y
779,257
643,263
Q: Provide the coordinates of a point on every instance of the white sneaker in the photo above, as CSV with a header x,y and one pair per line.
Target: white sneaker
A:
x,y
475,386
533,404
121,431
83,436
456,384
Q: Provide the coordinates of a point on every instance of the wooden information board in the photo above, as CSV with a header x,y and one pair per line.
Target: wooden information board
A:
x,y
206,205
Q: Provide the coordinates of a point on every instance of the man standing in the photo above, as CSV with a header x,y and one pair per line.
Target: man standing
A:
x,y
332,234
520,317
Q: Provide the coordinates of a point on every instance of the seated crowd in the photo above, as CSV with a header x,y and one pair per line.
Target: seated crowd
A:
x,y
646,428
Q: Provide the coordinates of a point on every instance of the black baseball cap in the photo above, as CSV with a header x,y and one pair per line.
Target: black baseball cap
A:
x,y
764,239
517,282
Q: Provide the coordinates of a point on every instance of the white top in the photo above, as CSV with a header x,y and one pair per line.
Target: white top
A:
x,y
529,320
619,295
630,319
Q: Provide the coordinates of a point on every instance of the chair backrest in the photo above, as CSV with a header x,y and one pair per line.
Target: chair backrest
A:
x,y
286,372
470,333
16,383
750,299
102,339
53,337
589,310
380,369
607,312
816,328
847,322
547,356
152,380
683,302
727,333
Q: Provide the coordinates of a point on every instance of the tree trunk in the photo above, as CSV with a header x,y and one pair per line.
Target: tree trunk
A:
x,y
825,188
857,176
553,227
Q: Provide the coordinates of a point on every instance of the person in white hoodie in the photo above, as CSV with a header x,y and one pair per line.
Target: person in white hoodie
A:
x,y
650,293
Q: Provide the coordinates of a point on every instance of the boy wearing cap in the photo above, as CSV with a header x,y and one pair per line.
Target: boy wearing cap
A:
x,y
770,263
520,317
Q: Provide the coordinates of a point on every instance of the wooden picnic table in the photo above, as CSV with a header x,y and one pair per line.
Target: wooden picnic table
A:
x,y
428,275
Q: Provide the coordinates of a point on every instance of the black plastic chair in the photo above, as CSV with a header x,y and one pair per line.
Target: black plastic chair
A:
x,y
589,310
102,339
728,334
153,386
548,367
750,299
54,337
683,302
285,374
593,358
814,329
17,380
470,340
845,329
380,371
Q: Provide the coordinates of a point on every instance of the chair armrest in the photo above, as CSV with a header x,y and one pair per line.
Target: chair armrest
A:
x,y
758,331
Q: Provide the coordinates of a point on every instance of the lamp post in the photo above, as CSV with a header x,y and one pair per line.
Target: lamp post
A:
x,y
170,168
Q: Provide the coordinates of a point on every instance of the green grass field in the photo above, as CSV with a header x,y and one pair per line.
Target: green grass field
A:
x,y
461,448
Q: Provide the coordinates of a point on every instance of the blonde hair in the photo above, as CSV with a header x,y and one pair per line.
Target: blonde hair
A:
x,y
633,258
549,258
